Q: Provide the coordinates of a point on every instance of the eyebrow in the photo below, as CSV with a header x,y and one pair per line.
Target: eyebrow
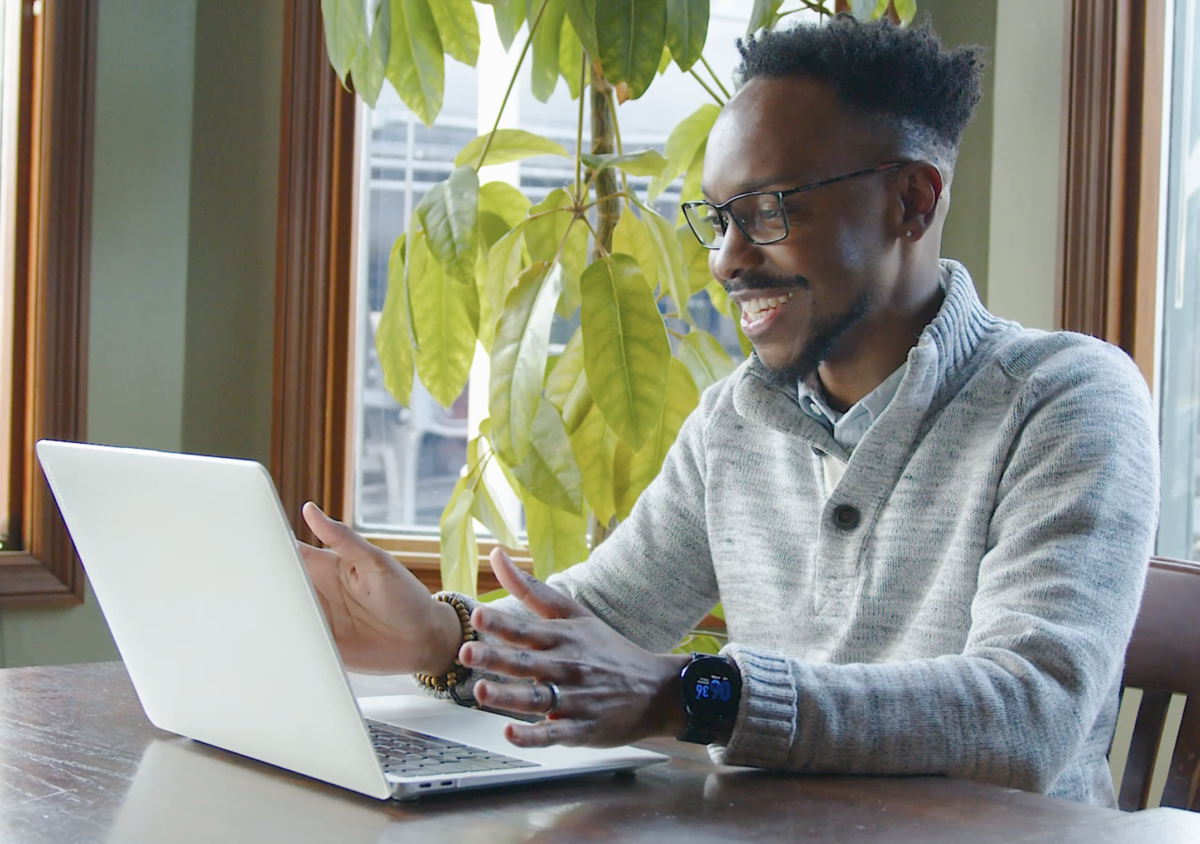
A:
x,y
751,186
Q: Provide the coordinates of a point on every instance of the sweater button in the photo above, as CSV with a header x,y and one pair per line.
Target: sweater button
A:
x,y
846,516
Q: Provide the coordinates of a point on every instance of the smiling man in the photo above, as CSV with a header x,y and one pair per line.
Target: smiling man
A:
x,y
928,526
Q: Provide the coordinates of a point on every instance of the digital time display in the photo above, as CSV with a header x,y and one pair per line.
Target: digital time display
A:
x,y
713,688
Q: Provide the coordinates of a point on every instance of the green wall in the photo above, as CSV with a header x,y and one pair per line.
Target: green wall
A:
x,y
183,246
965,238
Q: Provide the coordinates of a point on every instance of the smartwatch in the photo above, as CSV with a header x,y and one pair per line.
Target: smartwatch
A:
x,y
712,689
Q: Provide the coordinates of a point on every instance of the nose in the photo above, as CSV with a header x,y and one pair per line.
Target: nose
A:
x,y
736,255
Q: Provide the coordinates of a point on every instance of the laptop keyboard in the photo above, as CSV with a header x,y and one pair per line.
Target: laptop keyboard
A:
x,y
407,753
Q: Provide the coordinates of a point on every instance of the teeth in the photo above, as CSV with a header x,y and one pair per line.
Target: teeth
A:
x,y
754,307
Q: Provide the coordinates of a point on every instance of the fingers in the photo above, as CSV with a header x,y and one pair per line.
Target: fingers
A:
x,y
525,698
542,599
515,630
331,532
562,731
501,659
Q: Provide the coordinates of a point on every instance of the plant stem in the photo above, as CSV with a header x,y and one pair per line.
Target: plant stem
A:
x,y
580,190
608,206
612,110
704,85
714,76
487,145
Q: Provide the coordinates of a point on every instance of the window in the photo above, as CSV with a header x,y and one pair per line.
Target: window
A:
x,y
49,53
1179,530
407,460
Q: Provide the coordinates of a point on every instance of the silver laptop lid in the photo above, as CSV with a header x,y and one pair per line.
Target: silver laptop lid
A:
x,y
196,570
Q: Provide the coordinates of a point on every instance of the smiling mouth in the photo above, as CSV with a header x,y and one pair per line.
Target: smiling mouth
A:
x,y
754,309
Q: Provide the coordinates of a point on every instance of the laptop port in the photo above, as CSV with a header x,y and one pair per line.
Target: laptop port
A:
x,y
446,783
425,785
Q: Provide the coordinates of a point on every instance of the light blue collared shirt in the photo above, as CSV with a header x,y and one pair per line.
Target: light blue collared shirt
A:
x,y
848,428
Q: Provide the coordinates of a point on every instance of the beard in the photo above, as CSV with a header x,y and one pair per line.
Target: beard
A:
x,y
825,338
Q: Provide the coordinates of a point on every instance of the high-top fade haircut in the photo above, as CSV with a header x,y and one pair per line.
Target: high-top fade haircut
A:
x,y
903,77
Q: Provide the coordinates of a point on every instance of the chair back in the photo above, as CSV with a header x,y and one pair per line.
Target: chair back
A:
x,y
1155,757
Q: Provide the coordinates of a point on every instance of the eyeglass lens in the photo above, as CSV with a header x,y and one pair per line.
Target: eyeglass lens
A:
x,y
760,216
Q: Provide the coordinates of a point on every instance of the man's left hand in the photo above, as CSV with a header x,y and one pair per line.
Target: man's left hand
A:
x,y
610,691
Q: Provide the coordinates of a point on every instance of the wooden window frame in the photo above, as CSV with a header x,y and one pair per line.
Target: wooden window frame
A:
x,y
50,307
1112,169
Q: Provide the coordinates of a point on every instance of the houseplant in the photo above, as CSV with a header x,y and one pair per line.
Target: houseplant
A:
x,y
580,434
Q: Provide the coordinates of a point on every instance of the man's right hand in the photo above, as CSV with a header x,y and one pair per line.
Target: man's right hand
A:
x,y
383,619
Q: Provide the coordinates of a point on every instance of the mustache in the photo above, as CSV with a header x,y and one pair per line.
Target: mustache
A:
x,y
762,281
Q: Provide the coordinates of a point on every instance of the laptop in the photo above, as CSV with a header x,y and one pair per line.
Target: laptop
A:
x,y
196,570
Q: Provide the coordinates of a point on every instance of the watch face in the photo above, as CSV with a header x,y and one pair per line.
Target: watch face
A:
x,y
711,687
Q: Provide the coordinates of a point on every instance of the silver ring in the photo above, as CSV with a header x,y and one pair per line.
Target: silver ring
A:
x,y
555,698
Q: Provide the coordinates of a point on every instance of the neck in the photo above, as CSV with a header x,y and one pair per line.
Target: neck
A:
x,y
878,345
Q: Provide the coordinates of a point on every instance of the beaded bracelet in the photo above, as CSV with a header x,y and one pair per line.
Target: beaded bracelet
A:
x,y
458,673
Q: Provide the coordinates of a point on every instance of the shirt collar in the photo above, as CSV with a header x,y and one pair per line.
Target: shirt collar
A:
x,y
848,428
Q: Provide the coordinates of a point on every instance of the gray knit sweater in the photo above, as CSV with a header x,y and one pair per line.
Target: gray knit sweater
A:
x,y
959,603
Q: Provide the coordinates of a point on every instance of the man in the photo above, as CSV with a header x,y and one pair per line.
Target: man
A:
x,y
928,526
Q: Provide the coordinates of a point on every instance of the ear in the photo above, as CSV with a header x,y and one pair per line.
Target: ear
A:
x,y
920,184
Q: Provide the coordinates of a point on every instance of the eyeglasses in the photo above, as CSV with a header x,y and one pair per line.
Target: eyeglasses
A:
x,y
759,215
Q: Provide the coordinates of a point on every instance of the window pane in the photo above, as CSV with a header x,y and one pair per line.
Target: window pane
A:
x,y
1179,530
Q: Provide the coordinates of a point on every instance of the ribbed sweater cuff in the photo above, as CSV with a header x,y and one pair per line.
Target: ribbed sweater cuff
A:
x,y
766,721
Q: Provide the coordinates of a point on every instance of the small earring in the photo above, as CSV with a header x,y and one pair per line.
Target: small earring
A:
x,y
908,234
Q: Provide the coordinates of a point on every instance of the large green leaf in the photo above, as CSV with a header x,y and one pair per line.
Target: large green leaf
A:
x,y
484,507
552,232
505,201
704,358
449,215
594,445
566,384
688,136
762,15
868,10
445,325
416,67
646,162
570,58
630,35
687,29
582,15
633,472
695,259
543,75
549,470
510,14
672,275
504,266
519,359
691,182
631,238
573,259
508,145
345,32
457,28
459,549
369,62
393,341
557,540
626,353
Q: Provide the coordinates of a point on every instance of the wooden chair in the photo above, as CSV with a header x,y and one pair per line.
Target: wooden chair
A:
x,y
1156,746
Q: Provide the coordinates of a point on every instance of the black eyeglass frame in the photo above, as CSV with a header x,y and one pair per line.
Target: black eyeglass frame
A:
x,y
780,194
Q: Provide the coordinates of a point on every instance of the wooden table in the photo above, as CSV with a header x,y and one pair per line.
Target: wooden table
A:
x,y
80,763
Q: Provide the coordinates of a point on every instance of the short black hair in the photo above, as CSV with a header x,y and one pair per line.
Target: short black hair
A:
x,y
902,75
